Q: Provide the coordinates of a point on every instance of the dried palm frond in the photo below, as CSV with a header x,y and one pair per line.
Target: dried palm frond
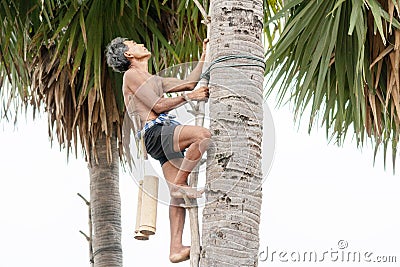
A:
x,y
55,57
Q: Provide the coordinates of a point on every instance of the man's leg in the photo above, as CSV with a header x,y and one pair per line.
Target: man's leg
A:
x,y
178,252
196,140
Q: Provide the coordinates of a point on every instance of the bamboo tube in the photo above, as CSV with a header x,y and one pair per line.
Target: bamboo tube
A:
x,y
138,234
148,215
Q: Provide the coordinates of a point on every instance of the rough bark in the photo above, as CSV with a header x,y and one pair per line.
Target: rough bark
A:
x,y
106,205
231,217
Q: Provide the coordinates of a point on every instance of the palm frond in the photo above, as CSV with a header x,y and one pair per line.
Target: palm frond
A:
x,y
341,60
53,53
273,20
13,53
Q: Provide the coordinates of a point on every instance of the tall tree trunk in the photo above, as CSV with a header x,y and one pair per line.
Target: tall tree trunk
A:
x,y
106,205
231,216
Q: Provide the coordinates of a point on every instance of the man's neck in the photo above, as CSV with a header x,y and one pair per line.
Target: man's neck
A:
x,y
140,64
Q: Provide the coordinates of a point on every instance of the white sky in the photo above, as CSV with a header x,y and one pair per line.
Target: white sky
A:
x,y
315,195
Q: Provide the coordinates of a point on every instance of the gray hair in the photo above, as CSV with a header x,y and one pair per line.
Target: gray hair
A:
x,y
115,55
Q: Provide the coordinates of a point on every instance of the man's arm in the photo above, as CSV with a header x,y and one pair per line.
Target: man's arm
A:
x,y
171,85
170,103
140,87
176,85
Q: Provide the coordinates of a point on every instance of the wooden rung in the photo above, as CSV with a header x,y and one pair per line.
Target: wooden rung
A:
x,y
189,203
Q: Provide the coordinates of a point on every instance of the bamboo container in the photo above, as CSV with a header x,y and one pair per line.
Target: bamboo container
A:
x,y
138,234
148,215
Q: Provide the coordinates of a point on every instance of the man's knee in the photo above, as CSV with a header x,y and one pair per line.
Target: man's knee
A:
x,y
204,139
203,134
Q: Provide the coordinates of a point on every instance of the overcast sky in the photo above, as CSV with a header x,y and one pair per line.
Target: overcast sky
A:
x,y
317,197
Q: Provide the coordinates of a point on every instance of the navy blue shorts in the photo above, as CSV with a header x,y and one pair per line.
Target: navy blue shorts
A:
x,y
159,142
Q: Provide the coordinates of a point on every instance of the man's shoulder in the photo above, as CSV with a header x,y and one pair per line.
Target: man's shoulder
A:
x,y
130,74
131,80
137,77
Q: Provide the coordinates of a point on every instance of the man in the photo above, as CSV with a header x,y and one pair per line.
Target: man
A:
x,y
165,139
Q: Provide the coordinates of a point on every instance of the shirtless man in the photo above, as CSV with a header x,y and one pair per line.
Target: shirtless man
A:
x,y
165,139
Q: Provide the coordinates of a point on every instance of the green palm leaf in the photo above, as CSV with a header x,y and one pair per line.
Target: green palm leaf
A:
x,y
338,60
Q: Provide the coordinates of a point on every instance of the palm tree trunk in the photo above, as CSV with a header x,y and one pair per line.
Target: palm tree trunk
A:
x,y
231,217
106,205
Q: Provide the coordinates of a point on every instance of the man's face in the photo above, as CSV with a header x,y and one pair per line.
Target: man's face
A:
x,y
137,51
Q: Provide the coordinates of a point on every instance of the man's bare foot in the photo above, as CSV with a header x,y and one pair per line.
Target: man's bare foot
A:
x,y
179,191
181,255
